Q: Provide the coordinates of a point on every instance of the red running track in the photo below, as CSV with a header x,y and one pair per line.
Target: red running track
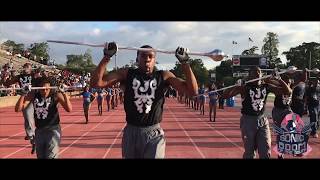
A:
x,y
188,134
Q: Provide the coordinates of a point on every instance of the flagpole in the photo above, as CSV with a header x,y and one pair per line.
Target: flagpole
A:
x,y
232,49
233,44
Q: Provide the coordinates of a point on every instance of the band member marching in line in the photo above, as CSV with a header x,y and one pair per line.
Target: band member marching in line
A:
x,y
46,116
144,98
254,124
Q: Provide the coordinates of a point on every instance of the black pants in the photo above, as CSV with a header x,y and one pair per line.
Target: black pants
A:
x,y
314,117
221,103
298,108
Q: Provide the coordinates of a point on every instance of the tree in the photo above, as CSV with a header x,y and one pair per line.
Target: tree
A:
x,y
80,63
177,71
250,51
299,56
75,61
88,58
9,43
15,48
270,48
200,71
224,70
19,48
40,50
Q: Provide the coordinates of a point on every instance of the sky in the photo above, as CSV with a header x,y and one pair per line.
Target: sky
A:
x,y
197,36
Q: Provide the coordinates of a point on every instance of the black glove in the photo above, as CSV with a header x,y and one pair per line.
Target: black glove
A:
x,y
240,82
25,90
110,49
275,74
182,55
61,88
92,98
33,145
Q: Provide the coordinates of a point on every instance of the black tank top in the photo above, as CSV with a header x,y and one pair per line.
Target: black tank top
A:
x,y
298,94
45,111
144,98
282,101
313,94
254,100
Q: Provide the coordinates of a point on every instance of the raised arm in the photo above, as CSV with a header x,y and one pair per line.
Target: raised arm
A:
x,y
282,88
24,99
239,89
303,78
179,84
99,78
63,99
190,85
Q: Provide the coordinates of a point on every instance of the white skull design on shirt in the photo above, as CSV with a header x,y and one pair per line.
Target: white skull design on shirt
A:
x,y
141,94
42,107
286,99
257,98
26,80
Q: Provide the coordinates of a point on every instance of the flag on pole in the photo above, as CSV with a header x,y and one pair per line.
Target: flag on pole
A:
x,y
250,39
234,42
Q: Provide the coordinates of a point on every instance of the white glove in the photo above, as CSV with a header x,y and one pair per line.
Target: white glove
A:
x,y
182,54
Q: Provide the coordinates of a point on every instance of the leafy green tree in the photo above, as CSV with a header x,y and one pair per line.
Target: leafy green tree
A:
x,y
270,48
301,55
